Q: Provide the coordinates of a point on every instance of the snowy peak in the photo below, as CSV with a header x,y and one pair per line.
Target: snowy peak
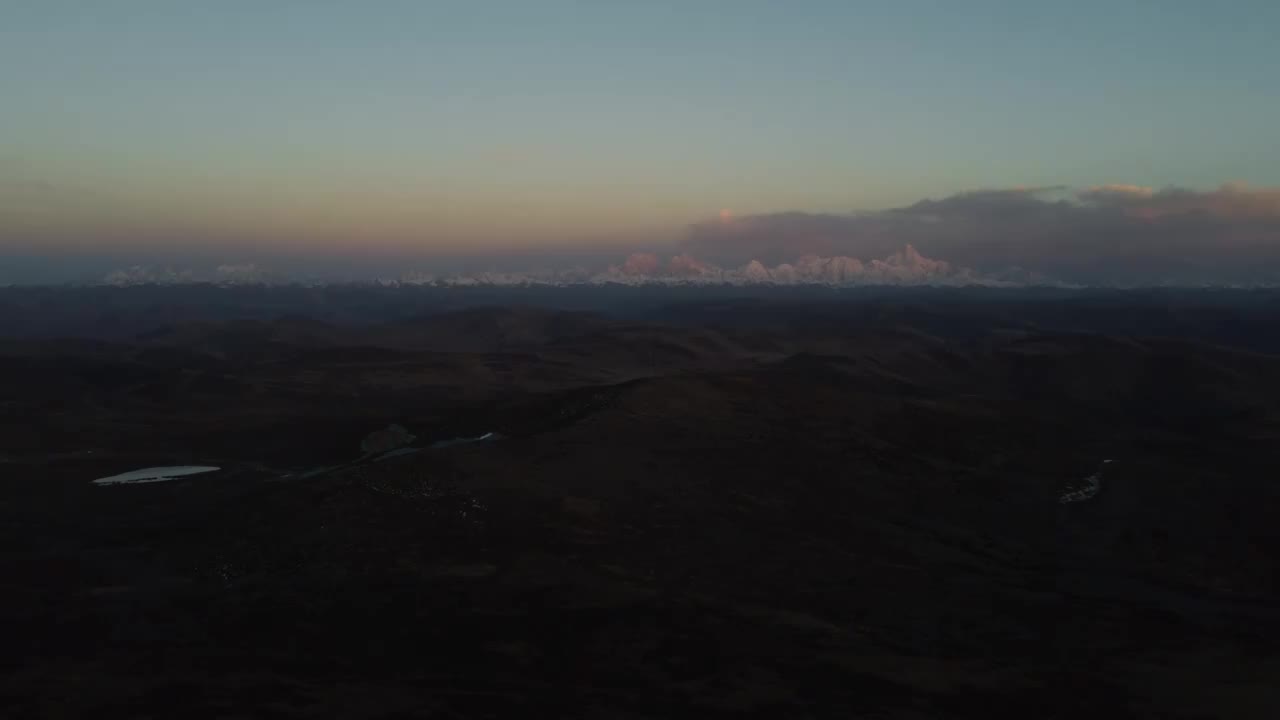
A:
x,y
905,267
230,274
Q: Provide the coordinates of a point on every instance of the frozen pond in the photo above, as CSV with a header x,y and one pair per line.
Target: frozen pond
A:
x,y
155,474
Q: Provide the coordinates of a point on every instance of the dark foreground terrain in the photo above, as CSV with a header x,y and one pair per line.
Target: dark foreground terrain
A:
x,y
706,505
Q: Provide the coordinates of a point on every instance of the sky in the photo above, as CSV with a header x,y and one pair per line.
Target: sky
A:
x,y
317,132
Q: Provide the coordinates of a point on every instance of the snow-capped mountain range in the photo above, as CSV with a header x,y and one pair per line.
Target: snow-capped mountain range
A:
x,y
242,274
906,267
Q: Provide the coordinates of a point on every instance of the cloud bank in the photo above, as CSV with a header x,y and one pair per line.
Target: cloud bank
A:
x,y
1109,234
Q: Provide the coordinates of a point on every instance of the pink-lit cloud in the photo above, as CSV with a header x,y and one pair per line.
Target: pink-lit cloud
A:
x,y
1231,201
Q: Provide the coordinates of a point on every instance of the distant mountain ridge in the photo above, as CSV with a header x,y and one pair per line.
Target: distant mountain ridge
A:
x,y
906,267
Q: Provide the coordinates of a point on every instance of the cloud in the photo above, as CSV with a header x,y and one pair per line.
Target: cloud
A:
x,y
641,264
1108,234
1116,193
1236,201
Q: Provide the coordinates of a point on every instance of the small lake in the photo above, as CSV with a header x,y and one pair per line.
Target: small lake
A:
x,y
155,474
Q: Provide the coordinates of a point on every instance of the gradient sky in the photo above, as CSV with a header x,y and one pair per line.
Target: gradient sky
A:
x,y
441,126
